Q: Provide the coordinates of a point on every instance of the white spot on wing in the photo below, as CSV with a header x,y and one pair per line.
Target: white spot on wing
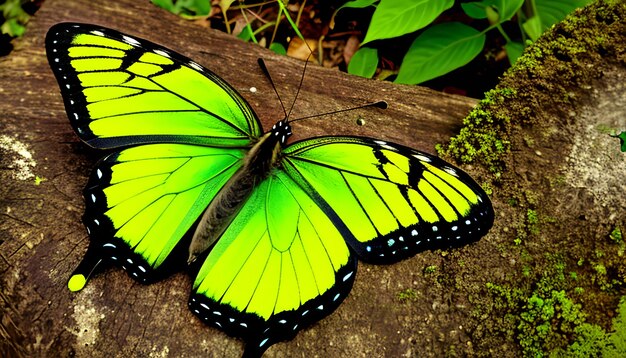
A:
x,y
97,33
162,53
130,40
422,158
195,65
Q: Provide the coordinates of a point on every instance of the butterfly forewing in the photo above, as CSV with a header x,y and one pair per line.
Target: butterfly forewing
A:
x,y
120,90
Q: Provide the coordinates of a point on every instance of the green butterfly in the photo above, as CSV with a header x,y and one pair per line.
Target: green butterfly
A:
x,y
276,229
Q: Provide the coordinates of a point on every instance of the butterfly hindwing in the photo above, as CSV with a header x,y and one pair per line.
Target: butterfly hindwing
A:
x,y
394,200
279,266
120,90
141,201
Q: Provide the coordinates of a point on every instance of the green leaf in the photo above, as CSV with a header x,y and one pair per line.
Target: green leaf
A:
x,y
439,50
283,8
355,4
475,10
622,140
185,7
507,8
513,50
15,18
164,4
13,28
532,27
394,18
552,11
278,48
364,62
246,33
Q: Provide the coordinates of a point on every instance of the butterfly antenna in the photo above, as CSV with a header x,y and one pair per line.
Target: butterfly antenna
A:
x,y
267,74
379,104
301,81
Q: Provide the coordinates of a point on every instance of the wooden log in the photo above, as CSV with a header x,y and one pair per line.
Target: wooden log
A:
x,y
42,238
562,168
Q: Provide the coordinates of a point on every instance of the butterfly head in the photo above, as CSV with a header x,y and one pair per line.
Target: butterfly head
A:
x,y
282,131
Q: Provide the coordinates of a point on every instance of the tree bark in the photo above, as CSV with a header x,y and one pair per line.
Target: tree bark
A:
x,y
407,308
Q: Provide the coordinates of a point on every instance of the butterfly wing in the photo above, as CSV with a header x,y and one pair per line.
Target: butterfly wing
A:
x,y
395,201
141,201
120,90
279,266
123,91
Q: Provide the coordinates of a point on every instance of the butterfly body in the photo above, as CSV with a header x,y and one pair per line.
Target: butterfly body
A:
x,y
276,229
259,161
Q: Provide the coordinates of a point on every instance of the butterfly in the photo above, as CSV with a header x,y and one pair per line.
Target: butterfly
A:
x,y
274,229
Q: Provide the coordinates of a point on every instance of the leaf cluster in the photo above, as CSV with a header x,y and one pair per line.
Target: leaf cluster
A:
x,y
440,46
15,18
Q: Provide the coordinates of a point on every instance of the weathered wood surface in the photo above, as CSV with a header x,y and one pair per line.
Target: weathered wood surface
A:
x,y
42,238
563,165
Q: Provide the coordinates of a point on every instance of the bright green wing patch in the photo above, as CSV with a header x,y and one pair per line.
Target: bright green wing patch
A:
x,y
279,266
264,269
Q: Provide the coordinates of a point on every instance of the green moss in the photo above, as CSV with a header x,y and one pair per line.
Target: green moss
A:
x,y
616,235
39,180
484,135
579,290
547,321
602,279
532,221
408,294
593,341
430,269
